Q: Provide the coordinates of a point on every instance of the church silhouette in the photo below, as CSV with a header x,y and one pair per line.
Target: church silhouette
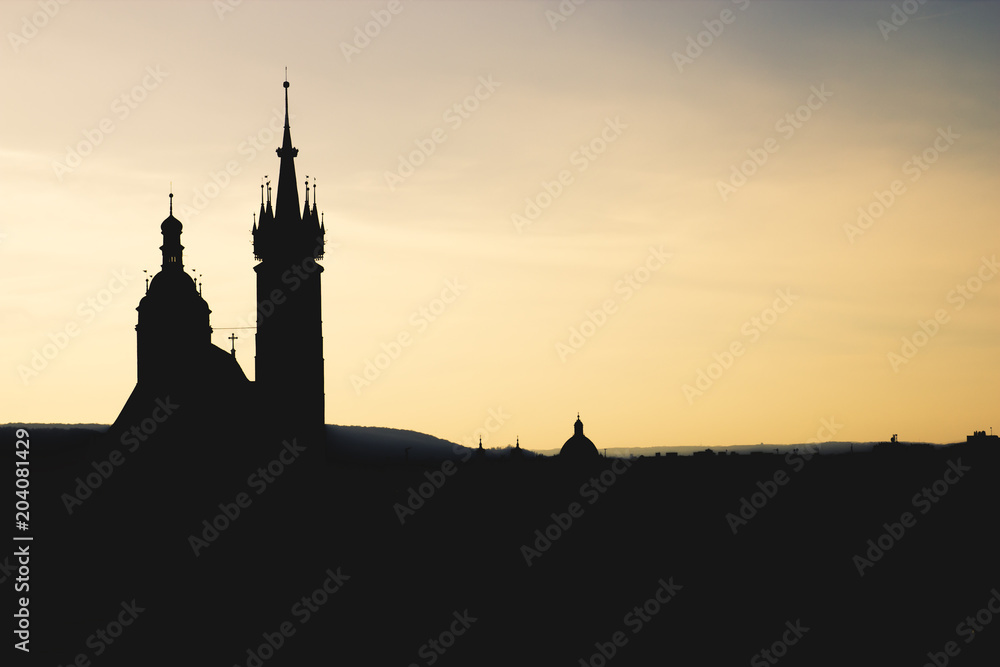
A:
x,y
210,518
176,356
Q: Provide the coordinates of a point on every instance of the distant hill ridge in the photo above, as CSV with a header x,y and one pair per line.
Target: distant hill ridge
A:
x,y
384,444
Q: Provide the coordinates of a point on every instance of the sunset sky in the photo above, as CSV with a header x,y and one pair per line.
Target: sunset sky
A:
x,y
647,212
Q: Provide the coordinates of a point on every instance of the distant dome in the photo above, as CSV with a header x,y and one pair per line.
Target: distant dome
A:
x,y
579,446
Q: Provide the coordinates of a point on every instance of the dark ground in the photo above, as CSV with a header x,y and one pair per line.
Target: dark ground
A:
x,y
402,584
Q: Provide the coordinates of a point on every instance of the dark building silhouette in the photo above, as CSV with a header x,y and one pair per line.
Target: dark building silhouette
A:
x,y
980,437
579,446
287,243
173,323
175,353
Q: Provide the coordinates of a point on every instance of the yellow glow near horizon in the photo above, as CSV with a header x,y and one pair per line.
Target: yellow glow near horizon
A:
x,y
161,92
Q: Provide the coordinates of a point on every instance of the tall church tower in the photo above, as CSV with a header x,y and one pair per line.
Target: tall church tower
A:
x,y
287,241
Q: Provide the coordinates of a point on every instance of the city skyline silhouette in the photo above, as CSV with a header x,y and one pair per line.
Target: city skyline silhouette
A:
x,y
746,244
442,256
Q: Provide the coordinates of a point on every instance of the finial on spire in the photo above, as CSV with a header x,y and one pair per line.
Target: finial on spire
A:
x,y
171,197
286,98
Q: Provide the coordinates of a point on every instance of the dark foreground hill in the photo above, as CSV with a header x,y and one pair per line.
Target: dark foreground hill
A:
x,y
194,547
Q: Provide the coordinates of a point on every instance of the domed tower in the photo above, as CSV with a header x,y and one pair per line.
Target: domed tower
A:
x,y
287,242
173,325
579,446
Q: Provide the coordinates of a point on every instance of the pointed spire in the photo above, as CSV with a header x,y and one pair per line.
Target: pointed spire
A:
x,y
171,200
314,215
287,204
305,211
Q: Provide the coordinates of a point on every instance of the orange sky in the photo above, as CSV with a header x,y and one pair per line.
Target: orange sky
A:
x,y
694,223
